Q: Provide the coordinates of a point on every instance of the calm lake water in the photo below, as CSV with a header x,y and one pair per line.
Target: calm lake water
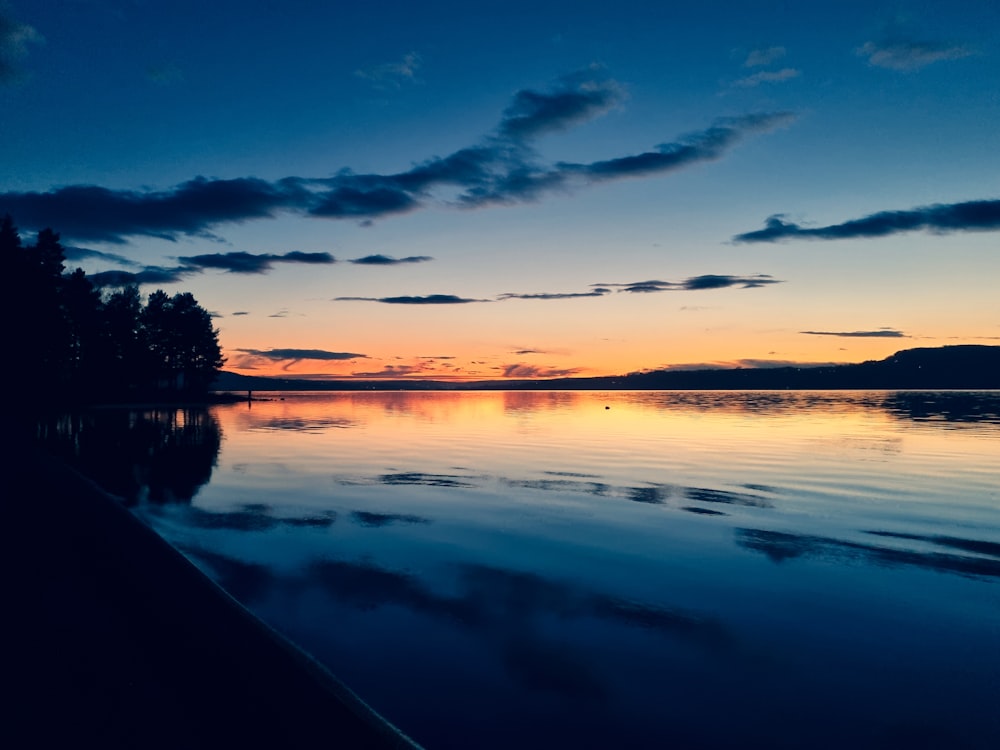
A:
x,y
582,569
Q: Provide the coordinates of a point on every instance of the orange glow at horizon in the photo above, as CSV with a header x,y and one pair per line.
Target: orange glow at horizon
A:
x,y
603,359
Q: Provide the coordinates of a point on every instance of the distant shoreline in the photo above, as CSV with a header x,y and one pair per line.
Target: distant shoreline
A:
x,y
961,367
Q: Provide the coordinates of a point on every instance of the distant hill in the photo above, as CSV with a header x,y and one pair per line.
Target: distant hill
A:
x,y
946,367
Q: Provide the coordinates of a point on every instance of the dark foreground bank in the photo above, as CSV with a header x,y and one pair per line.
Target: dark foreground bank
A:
x,y
113,639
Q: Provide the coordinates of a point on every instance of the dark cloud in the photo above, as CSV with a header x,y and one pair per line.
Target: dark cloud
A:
x,y
521,370
882,333
697,283
694,283
982,215
387,260
908,54
598,292
576,98
430,299
96,213
234,262
281,355
14,40
706,145
501,169
83,253
348,201
711,281
241,262
757,364
641,287
148,275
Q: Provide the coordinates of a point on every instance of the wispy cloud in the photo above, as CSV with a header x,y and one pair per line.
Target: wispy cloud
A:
x,y
392,371
764,56
83,253
766,76
706,145
732,364
576,98
503,168
909,55
881,333
233,262
241,262
191,208
279,355
697,283
388,260
597,292
430,299
15,37
392,75
521,370
148,275
980,216
250,359
693,283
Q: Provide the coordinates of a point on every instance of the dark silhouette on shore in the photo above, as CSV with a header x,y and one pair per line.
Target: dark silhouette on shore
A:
x,y
75,344
121,642
966,366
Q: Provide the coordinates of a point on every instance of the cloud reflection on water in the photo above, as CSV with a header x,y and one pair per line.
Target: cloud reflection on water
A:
x,y
575,483
508,607
377,520
781,546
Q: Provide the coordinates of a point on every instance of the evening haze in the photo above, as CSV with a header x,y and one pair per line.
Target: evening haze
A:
x,y
516,190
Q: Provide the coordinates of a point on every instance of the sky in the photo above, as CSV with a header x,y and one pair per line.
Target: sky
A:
x,y
458,190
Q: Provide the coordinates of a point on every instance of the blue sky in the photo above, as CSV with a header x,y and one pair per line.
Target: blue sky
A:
x,y
531,167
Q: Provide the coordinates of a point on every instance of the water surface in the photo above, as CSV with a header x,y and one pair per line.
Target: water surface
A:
x,y
539,569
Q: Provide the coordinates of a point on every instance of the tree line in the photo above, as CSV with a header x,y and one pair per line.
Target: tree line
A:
x,y
69,341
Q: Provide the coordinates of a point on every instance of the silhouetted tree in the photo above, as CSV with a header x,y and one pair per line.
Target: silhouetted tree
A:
x,y
84,310
64,340
122,349
183,347
10,240
36,326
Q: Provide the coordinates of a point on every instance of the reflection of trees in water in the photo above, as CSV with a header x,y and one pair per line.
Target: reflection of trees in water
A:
x,y
160,455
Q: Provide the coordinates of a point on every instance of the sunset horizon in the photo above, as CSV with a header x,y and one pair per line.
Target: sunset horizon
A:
x,y
463,195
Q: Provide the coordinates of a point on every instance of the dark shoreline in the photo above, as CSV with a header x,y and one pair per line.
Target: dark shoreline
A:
x,y
957,367
116,639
